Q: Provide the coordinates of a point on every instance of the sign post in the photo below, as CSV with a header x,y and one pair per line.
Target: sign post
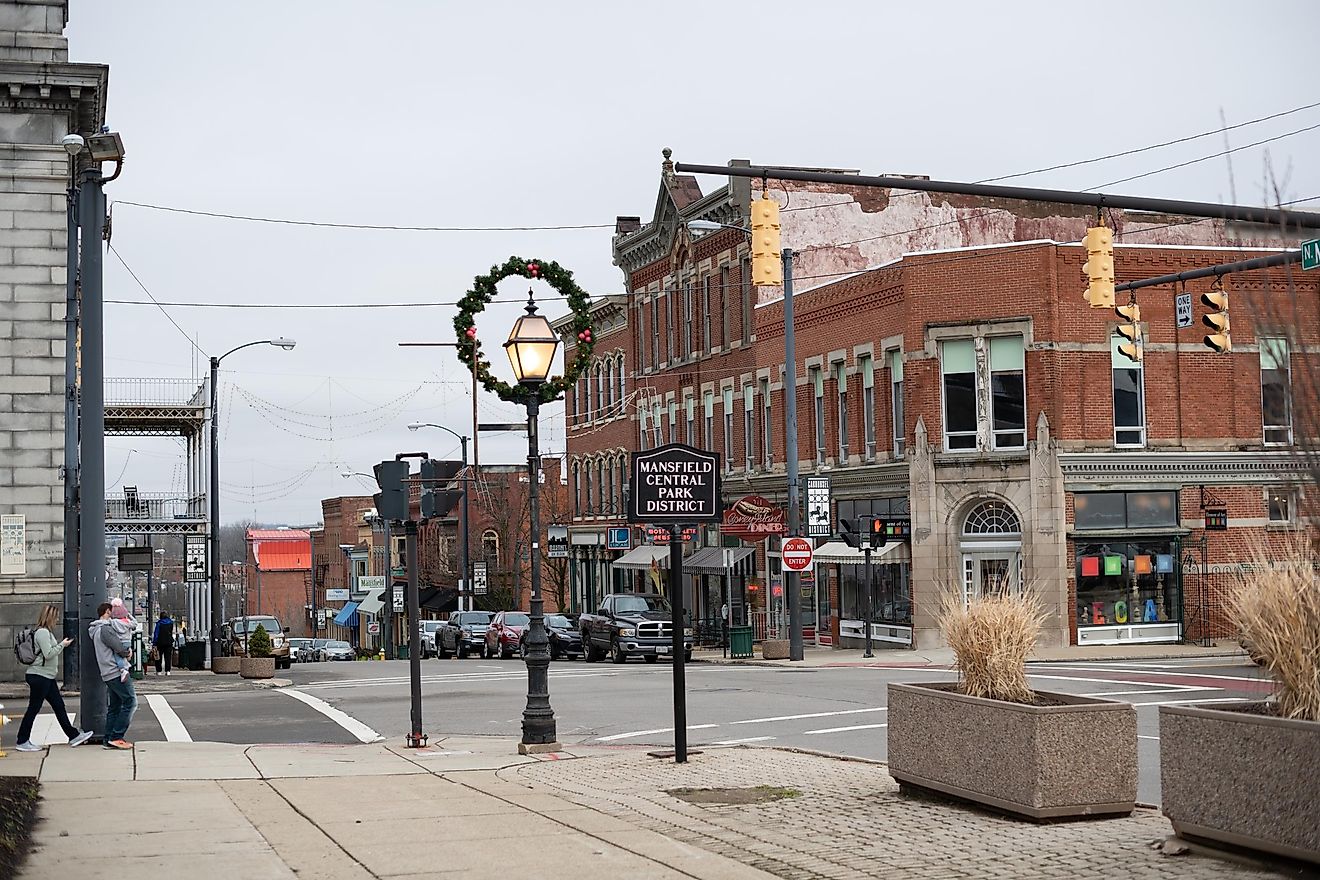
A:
x,y
675,485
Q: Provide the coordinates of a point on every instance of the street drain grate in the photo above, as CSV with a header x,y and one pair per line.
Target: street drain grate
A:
x,y
759,794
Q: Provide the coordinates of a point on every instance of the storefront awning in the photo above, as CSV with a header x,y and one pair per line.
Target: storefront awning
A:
x,y
372,604
837,552
347,615
642,557
722,560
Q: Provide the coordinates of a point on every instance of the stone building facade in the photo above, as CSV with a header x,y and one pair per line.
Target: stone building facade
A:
x,y
952,381
43,97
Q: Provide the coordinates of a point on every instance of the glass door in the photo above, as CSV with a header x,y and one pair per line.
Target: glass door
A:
x,y
988,572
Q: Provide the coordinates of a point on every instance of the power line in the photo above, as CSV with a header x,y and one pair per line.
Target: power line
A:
x,y
369,226
124,263
393,305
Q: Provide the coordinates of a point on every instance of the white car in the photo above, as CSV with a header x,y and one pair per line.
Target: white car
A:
x,y
427,632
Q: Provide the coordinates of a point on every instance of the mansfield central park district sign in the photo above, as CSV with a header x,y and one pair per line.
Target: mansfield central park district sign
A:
x,y
675,484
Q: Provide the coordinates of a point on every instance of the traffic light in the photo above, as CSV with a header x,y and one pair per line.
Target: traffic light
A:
x,y
438,502
1099,267
1217,298
392,499
767,264
879,533
1130,331
850,531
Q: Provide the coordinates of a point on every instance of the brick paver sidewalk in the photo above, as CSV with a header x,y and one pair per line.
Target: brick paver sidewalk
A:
x,y
848,820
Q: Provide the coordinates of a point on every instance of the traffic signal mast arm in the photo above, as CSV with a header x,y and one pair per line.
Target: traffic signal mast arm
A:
x,y
1222,269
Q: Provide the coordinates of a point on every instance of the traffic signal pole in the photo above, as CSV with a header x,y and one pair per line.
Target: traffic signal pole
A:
x,y
792,580
416,738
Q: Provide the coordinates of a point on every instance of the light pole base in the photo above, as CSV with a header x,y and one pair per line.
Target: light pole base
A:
x,y
416,741
539,748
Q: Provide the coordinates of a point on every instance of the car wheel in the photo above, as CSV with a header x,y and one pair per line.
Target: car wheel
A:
x,y
650,658
440,652
687,656
505,653
522,649
485,651
554,650
461,651
588,652
616,653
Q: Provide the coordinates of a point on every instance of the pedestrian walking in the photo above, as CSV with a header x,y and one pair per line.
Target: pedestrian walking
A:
x,y
162,640
42,687
121,699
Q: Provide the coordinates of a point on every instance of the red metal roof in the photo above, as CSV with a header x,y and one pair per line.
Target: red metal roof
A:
x,y
277,535
283,555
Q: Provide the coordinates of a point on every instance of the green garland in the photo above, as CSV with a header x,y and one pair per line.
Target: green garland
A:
x,y
474,303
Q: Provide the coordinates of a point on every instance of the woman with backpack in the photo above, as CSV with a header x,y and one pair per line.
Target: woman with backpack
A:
x,y
43,668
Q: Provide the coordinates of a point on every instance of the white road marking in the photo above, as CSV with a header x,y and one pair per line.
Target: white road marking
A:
x,y
746,739
633,733
175,732
1147,672
1146,736
46,731
1169,689
493,677
1105,680
810,715
842,729
1182,702
343,719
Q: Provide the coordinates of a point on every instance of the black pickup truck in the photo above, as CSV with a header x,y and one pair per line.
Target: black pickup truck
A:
x,y
631,624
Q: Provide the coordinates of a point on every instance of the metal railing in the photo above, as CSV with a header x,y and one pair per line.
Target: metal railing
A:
x,y
155,506
155,392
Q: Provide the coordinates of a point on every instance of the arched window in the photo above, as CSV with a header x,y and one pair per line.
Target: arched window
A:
x,y
591,506
490,550
602,490
586,406
623,387
992,518
577,489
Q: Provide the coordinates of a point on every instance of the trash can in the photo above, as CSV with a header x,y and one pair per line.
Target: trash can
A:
x,y
401,652
740,642
192,656
138,660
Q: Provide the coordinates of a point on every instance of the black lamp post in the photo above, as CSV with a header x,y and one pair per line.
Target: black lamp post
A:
x,y
531,349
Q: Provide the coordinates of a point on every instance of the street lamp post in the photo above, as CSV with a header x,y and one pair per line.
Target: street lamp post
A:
x,y
216,612
464,557
531,349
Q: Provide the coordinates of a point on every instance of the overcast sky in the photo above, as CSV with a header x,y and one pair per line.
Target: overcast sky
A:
x,y
536,114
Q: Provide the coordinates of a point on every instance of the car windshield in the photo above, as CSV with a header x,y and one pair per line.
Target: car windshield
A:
x,y
515,618
320,643
270,624
631,604
558,621
300,643
474,617
338,646
432,625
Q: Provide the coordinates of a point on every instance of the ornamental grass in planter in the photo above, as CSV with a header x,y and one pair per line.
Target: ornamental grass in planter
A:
x,y
1245,774
989,738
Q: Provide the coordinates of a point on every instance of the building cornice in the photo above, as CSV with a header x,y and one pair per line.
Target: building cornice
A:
x,y
57,87
1085,470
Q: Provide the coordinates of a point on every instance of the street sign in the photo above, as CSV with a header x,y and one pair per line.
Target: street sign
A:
x,y
1310,254
136,558
660,534
1216,519
1183,309
398,599
796,554
675,483
619,538
370,583
478,578
556,542
754,518
336,595
194,559
373,628
818,507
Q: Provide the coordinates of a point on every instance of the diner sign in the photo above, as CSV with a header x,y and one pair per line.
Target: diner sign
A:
x,y
754,518
675,483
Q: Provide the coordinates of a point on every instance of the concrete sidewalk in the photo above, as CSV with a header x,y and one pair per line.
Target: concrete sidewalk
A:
x,y
889,657
472,808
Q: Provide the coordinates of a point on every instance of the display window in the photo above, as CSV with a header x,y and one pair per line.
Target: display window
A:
x,y
1128,583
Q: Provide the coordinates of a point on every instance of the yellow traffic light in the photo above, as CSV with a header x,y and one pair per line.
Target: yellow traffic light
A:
x,y
1217,298
1099,267
1131,331
767,265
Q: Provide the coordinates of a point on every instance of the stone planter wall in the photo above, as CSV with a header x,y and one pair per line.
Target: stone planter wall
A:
x,y
257,667
1042,762
1242,779
774,649
225,665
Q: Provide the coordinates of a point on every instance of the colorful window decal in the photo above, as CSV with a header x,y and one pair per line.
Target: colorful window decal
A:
x,y
1141,564
1164,563
1113,565
1090,566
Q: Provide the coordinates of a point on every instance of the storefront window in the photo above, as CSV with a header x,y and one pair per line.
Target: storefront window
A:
x,y
1128,583
1120,510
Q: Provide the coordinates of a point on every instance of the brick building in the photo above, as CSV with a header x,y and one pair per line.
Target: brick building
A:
x,y
278,577
951,379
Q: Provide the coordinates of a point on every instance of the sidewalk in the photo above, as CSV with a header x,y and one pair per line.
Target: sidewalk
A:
x,y
470,807
814,656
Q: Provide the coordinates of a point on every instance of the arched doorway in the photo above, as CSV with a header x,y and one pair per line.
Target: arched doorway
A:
x,y
991,545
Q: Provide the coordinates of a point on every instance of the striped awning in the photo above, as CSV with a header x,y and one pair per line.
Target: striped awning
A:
x,y
722,560
837,552
643,557
347,615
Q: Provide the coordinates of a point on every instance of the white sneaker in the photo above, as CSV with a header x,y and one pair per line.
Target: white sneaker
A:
x,y
28,746
81,738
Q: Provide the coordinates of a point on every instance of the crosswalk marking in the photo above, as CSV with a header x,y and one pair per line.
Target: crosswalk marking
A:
x,y
633,733
810,715
169,719
842,729
746,739
343,719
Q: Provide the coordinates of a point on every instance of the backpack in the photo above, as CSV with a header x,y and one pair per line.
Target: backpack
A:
x,y
25,646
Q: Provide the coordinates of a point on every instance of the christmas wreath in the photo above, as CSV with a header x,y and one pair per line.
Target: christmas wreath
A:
x,y
483,291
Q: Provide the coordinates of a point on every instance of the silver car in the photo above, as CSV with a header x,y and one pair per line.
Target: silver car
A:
x,y
337,650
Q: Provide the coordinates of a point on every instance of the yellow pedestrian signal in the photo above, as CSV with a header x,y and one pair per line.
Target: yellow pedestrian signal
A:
x,y
1099,267
1217,298
1130,331
767,264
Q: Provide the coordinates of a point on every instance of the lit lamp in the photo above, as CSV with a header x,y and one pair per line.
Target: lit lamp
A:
x,y
531,350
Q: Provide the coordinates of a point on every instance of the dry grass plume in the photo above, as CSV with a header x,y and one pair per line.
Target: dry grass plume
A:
x,y
992,637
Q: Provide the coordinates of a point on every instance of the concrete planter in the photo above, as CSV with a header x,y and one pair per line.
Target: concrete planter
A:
x,y
1042,762
257,667
774,649
1242,779
225,665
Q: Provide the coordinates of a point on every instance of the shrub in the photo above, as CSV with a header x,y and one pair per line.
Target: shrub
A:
x,y
259,643
992,637
1278,611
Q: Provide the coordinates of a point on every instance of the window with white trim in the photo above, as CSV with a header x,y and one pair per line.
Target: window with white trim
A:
x,y
1008,392
705,314
671,324
958,368
749,427
841,391
577,489
641,335
1276,390
590,505
577,399
1282,505
1129,396
866,367
728,429
690,405
602,488
767,448
657,437
817,378
687,320
616,485
896,399
747,290
673,421
708,405
725,302
586,377
600,391
623,385
655,331
641,426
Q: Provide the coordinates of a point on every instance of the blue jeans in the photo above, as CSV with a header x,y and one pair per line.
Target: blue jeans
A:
x,y
119,708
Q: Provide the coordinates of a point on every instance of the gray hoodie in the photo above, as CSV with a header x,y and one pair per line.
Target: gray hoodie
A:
x,y
107,645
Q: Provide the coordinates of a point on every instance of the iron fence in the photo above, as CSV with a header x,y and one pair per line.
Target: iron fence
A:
x,y
155,392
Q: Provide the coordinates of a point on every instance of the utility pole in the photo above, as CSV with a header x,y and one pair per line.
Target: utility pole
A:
x,y
792,580
416,738
71,628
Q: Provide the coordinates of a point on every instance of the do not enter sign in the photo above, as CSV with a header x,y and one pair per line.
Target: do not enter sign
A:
x,y
796,554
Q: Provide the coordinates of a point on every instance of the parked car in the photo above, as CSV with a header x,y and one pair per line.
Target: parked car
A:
x,y
300,650
317,652
464,632
505,631
337,650
631,625
428,629
562,630
235,633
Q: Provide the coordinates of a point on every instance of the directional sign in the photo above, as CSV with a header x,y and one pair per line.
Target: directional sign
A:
x,y
818,507
675,483
1311,254
796,554
194,562
1183,308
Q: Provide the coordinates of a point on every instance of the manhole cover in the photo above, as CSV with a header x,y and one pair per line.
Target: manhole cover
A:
x,y
758,794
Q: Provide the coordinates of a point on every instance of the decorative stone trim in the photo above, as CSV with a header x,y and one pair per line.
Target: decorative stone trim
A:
x,y
1082,470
